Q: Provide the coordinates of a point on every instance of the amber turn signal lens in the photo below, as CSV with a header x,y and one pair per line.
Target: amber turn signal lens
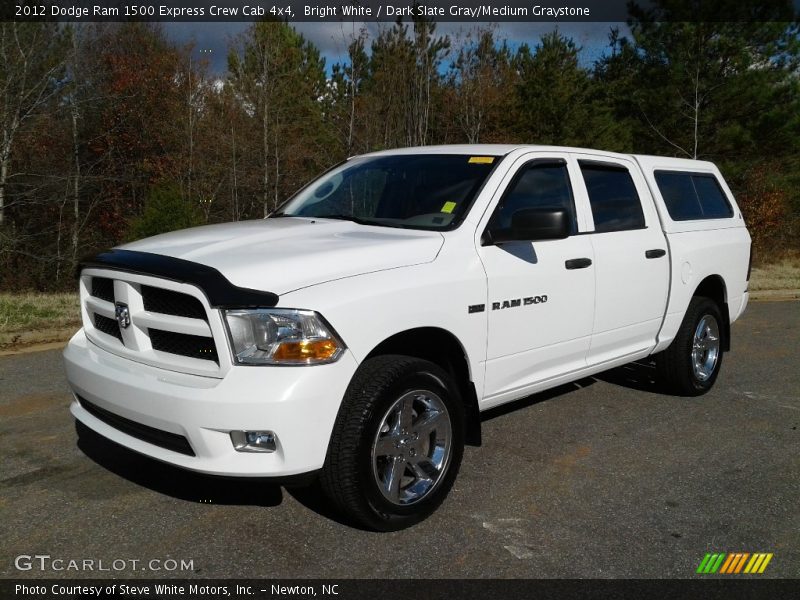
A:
x,y
314,350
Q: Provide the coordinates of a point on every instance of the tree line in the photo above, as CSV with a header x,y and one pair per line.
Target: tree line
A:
x,y
111,132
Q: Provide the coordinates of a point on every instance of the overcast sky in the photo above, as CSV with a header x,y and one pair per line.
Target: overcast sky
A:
x,y
332,38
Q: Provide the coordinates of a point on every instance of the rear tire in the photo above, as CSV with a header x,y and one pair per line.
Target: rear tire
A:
x,y
691,363
397,443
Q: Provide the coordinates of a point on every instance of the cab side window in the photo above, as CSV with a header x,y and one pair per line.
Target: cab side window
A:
x,y
538,185
613,197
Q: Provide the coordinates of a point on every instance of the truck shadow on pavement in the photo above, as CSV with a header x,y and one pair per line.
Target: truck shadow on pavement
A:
x,y
197,487
172,481
515,405
640,376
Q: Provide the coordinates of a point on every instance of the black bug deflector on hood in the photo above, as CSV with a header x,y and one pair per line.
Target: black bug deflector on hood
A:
x,y
220,292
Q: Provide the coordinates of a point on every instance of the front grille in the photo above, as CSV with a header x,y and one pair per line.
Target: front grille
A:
x,y
108,326
170,327
193,346
172,303
103,288
157,437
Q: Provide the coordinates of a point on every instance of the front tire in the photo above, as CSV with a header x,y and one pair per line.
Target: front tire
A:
x,y
691,363
397,443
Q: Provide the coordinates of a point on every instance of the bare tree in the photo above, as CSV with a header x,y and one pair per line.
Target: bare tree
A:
x,y
30,75
252,77
355,74
480,80
278,78
75,70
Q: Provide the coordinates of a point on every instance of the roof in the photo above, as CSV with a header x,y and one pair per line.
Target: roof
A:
x,y
503,149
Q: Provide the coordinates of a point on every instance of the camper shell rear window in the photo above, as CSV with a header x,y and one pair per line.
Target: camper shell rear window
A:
x,y
693,196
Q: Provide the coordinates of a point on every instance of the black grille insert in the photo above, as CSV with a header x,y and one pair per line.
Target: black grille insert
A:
x,y
172,303
103,288
108,326
157,437
193,346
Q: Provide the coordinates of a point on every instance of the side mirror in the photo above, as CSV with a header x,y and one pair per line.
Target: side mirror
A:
x,y
532,225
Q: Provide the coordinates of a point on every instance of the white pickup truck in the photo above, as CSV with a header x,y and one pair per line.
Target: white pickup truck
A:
x,y
356,335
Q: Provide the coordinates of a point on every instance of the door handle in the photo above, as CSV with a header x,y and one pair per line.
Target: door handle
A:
x,y
578,263
657,253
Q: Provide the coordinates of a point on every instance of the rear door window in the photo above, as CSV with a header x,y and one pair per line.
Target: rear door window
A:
x,y
613,197
692,196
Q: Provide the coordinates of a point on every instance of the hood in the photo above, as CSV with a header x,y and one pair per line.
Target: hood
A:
x,y
285,254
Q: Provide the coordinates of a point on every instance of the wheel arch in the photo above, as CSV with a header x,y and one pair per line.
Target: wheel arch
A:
x,y
714,287
444,349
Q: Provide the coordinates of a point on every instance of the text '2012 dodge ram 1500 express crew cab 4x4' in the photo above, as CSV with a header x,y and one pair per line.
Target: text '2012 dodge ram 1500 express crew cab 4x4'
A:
x,y
357,333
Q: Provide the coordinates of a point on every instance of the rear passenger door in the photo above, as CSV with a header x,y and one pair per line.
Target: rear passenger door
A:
x,y
630,258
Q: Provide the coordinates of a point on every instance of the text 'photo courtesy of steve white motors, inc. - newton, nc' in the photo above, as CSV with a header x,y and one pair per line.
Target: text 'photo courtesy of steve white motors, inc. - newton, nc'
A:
x,y
145,589
368,10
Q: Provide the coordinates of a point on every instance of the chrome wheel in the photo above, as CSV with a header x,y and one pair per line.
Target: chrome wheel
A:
x,y
411,451
705,348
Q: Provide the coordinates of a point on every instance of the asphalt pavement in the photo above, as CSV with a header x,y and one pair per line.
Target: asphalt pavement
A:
x,y
606,478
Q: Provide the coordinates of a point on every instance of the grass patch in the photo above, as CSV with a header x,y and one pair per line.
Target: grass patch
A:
x,y
21,313
781,275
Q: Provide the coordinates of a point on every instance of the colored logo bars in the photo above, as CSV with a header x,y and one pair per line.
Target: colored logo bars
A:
x,y
734,563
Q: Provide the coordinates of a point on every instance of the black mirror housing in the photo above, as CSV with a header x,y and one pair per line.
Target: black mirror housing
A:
x,y
533,225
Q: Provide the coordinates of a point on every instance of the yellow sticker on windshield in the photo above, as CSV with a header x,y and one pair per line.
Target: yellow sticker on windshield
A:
x,y
481,160
448,207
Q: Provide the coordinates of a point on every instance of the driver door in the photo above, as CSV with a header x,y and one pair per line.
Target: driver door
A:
x,y
541,293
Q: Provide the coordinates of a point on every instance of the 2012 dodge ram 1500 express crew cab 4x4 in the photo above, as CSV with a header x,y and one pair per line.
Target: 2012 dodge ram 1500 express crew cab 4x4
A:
x,y
357,333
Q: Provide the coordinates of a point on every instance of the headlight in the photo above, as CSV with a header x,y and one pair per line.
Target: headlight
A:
x,y
281,336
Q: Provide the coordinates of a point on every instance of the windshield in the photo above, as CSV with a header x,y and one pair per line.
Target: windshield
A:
x,y
422,191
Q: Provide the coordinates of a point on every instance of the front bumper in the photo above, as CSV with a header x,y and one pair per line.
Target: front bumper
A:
x,y
299,404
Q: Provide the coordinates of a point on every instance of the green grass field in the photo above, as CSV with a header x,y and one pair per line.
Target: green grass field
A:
x,y
36,317
781,275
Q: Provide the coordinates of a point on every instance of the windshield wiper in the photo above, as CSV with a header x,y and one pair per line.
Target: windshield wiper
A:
x,y
340,217
352,218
